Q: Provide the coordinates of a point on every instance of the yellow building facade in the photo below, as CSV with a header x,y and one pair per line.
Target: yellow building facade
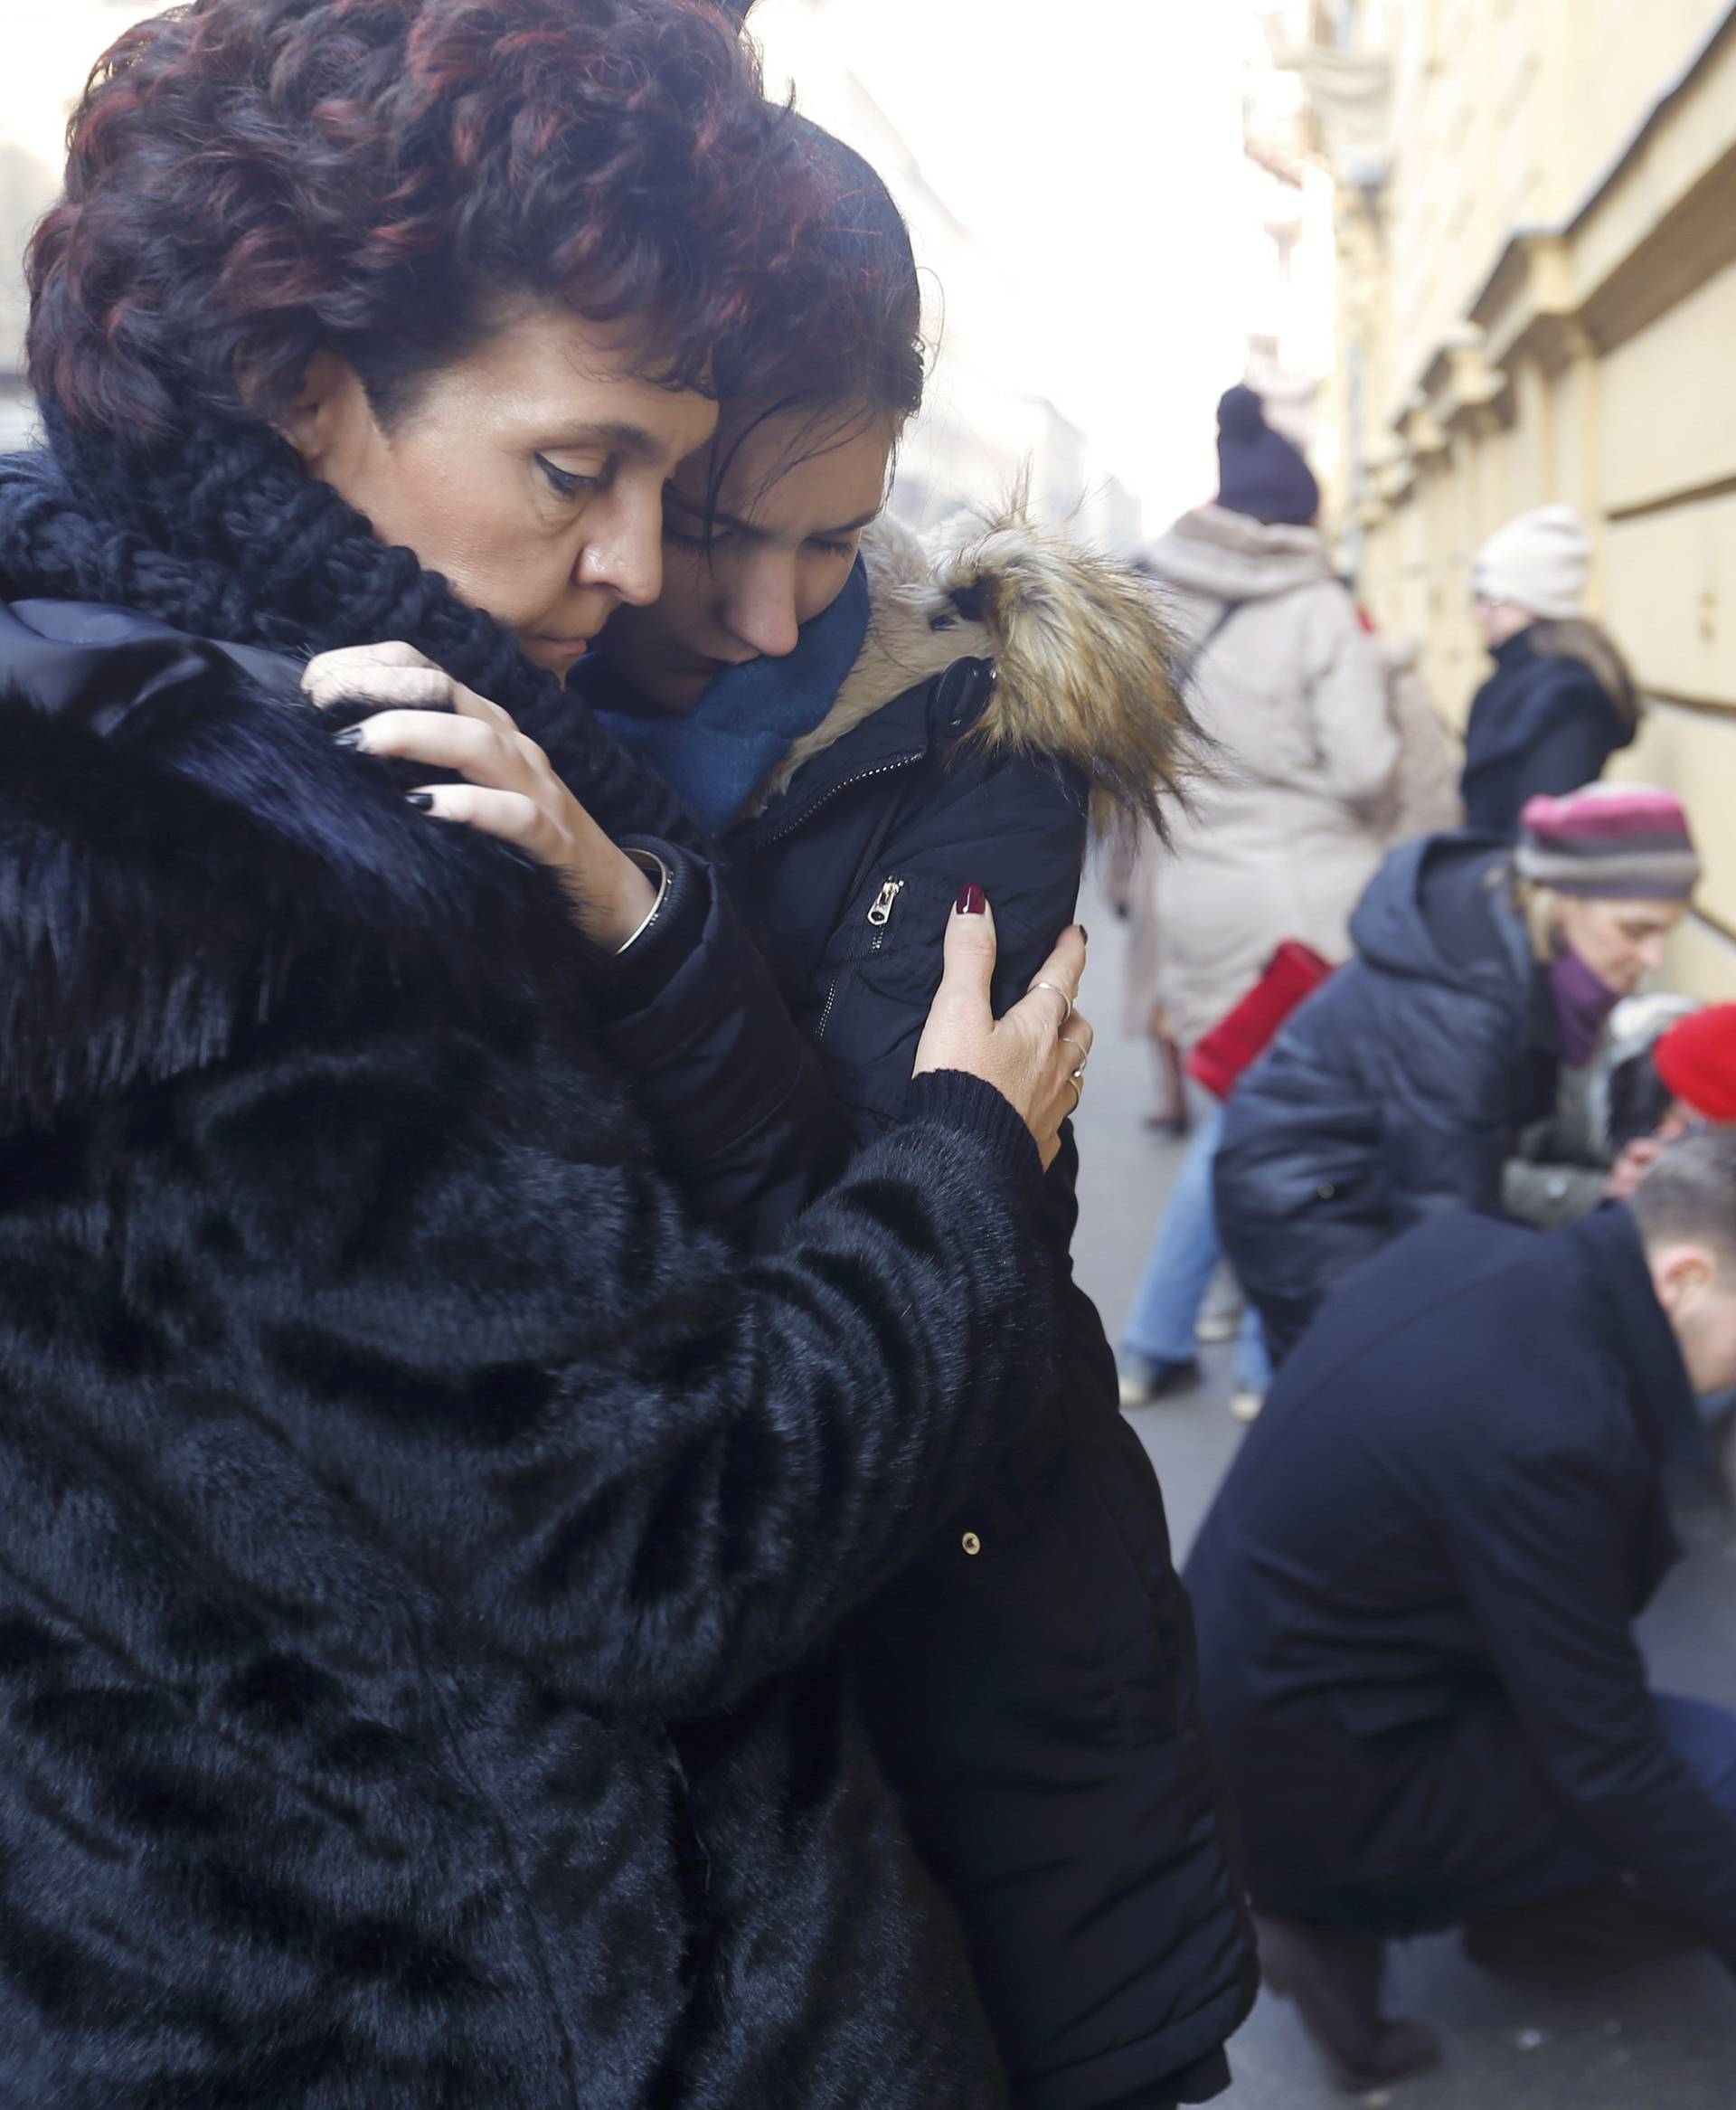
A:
x,y
1537,224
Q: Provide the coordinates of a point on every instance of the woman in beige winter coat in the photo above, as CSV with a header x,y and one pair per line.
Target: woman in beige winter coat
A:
x,y
1281,835
1292,822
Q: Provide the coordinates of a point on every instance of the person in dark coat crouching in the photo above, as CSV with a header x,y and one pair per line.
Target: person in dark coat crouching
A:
x,y
1561,699
1399,1088
1416,1592
425,1549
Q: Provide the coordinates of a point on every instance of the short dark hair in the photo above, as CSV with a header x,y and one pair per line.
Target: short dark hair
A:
x,y
842,339
250,182
1691,1193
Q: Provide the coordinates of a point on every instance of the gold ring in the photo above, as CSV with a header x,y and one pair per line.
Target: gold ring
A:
x,y
1059,991
1078,1083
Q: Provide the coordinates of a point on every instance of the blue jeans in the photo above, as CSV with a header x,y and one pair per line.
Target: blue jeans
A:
x,y
1183,1256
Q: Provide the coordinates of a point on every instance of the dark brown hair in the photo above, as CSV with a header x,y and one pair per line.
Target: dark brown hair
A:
x,y
840,348
251,181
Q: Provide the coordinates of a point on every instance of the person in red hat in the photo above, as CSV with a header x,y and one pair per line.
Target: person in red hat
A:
x,y
1696,1058
1695,1062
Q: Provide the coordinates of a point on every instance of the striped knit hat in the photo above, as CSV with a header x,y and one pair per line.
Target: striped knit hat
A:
x,y
1622,842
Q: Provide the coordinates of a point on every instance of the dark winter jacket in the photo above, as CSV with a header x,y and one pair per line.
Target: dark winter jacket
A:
x,y
1416,1589
1030,1677
422,1549
1397,1091
1542,723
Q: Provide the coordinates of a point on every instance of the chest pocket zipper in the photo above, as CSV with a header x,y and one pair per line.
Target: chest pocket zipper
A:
x,y
879,914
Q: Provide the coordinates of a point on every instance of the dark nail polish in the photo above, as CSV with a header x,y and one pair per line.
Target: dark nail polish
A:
x,y
352,738
1084,933
423,802
971,902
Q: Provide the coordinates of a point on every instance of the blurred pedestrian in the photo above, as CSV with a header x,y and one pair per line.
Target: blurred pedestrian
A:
x,y
1695,1067
1561,699
1415,1594
1400,1089
1282,832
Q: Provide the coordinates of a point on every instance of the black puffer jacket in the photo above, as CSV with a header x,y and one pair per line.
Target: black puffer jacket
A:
x,y
1030,1677
396,1491
1542,723
1397,1091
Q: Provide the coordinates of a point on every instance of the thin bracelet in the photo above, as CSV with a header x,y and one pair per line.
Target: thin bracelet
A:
x,y
654,867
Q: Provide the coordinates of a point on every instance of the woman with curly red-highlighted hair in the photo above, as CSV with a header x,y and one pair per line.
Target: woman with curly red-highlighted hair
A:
x,y
424,1548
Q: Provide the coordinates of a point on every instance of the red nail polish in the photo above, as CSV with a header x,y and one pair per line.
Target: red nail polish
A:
x,y
971,902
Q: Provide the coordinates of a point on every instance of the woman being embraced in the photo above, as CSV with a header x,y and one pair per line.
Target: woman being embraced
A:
x,y
395,1483
871,730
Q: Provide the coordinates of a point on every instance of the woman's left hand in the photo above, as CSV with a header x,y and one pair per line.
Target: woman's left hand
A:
x,y
510,789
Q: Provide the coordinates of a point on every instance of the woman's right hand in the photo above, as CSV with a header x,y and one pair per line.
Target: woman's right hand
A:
x,y
1034,1054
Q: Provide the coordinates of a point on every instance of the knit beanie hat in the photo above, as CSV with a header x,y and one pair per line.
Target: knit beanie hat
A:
x,y
1259,472
1696,1059
1541,563
1616,842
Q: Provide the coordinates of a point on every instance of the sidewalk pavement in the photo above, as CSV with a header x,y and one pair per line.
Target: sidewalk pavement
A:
x,y
1666,2037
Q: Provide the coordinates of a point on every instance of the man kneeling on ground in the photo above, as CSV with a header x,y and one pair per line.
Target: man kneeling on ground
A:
x,y
1416,1589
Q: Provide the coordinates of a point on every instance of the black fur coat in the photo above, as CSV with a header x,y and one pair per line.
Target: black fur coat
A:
x,y
418,1547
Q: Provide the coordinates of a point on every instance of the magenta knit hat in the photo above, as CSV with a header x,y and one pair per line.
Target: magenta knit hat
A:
x,y
1624,842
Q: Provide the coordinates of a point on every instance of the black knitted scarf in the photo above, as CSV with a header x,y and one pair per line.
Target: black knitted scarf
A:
x,y
225,536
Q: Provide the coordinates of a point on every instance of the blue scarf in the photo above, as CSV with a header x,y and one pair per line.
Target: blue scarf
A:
x,y
714,757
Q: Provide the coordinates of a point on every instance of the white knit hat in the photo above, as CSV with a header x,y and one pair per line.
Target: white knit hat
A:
x,y
1541,563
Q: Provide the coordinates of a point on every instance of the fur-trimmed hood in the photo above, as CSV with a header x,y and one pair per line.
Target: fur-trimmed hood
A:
x,y
1085,657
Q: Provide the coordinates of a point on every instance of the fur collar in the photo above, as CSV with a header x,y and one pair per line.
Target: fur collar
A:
x,y
1084,657
187,863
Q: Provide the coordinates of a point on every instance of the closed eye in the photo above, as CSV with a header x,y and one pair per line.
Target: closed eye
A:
x,y
565,483
715,540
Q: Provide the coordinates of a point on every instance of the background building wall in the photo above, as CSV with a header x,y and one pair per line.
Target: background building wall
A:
x,y
1080,321
1538,299
1288,273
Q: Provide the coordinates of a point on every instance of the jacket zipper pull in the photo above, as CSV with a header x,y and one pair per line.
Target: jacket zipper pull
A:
x,y
881,914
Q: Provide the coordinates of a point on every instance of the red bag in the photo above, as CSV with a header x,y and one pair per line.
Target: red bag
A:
x,y
1243,1036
